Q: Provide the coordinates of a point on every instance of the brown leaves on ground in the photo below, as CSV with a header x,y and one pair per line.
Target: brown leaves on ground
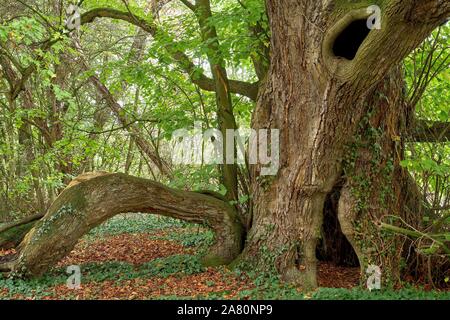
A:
x,y
192,286
332,276
137,249
132,248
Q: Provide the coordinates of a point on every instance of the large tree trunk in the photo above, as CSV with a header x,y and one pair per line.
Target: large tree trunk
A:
x,y
318,90
92,199
376,188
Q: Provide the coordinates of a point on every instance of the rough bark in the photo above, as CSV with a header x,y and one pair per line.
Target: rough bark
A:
x,y
317,100
376,187
92,199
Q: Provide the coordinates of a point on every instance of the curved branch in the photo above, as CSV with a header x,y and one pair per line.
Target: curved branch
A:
x,y
17,80
89,201
21,222
243,88
426,131
13,236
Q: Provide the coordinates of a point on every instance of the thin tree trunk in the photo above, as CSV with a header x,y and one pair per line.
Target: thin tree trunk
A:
x,y
224,104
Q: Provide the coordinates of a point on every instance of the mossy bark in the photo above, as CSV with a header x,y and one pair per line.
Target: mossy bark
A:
x,y
90,201
317,100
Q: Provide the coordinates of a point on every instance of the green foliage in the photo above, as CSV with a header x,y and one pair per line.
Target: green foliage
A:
x,y
134,224
191,177
110,270
358,294
269,286
191,237
30,287
177,264
428,87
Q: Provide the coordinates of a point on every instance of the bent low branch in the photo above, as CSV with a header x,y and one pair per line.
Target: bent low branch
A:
x,y
437,239
23,221
91,201
426,131
11,234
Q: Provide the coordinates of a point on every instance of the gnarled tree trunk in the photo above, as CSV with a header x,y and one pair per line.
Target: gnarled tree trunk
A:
x,y
376,188
326,66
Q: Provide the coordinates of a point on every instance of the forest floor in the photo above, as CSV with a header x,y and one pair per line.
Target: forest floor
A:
x,y
148,257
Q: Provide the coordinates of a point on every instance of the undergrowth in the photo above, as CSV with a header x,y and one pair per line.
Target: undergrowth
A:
x,y
264,285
